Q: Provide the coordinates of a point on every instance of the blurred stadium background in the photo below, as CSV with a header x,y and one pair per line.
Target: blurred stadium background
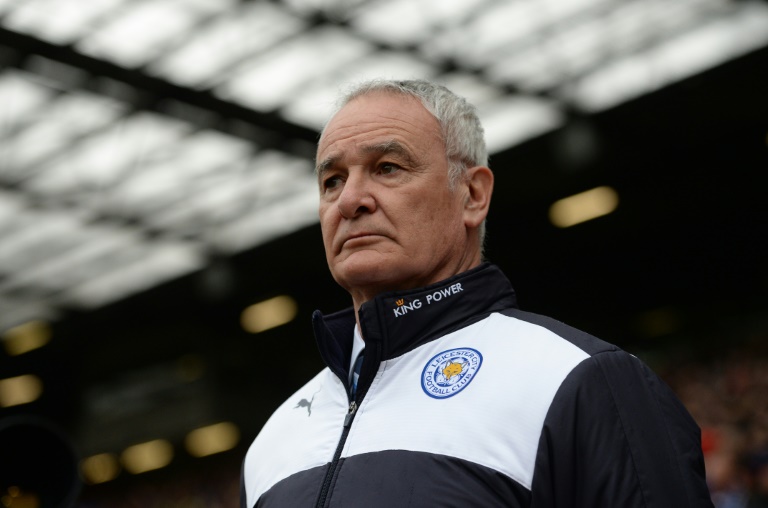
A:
x,y
159,248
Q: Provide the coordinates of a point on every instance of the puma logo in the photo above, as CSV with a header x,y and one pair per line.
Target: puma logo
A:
x,y
307,404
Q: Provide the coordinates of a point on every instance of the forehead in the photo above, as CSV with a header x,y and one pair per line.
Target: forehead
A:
x,y
378,117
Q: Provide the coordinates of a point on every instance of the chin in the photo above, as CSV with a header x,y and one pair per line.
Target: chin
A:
x,y
358,276
376,273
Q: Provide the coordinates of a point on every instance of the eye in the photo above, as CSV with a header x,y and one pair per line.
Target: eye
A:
x,y
387,168
331,182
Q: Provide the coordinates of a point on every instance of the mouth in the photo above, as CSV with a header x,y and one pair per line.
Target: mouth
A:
x,y
359,238
360,235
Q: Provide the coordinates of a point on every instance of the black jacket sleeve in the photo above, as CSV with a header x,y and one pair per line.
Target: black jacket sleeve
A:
x,y
616,436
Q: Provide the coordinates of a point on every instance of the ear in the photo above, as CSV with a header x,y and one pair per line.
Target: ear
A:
x,y
479,182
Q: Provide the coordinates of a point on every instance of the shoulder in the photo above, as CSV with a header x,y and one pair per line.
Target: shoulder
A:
x,y
590,344
588,376
611,422
617,375
536,350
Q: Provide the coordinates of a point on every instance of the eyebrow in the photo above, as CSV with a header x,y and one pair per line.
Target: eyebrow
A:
x,y
386,147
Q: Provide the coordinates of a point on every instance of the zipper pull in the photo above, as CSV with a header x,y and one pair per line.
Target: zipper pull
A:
x,y
350,413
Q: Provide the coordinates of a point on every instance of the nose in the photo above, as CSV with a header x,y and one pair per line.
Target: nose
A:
x,y
356,198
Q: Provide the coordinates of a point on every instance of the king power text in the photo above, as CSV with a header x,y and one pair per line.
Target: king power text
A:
x,y
415,304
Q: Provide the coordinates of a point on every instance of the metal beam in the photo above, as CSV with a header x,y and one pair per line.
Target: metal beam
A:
x,y
269,130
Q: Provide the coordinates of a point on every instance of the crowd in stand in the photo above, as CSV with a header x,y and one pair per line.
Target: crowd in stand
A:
x,y
218,489
728,398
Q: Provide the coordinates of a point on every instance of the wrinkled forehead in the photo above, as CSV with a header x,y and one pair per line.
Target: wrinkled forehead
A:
x,y
359,106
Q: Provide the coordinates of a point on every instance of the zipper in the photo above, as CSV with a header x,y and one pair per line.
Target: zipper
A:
x,y
337,455
372,351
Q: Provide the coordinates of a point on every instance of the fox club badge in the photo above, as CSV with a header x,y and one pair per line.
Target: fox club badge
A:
x,y
449,372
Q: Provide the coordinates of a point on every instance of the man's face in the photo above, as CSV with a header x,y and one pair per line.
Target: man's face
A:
x,y
389,219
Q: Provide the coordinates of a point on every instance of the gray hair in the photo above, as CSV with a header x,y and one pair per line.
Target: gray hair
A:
x,y
460,126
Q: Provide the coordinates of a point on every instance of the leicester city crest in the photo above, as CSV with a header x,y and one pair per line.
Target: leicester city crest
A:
x,y
449,372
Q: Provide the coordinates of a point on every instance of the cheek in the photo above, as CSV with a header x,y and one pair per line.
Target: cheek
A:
x,y
328,227
430,226
430,216
438,213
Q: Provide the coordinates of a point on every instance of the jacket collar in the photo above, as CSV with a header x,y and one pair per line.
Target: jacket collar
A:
x,y
396,322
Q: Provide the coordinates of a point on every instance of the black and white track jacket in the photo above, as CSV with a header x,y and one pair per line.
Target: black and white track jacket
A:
x,y
466,401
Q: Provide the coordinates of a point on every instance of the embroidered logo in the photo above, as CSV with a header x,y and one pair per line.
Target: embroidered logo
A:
x,y
307,404
449,372
404,307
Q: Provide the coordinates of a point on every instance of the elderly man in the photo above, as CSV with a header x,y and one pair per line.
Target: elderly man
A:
x,y
438,391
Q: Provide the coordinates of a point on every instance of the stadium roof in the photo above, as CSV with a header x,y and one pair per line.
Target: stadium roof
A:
x,y
139,140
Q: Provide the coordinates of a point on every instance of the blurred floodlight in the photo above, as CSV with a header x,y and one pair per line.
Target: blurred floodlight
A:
x,y
268,314
26,337
584,206
14,497
18,390
212,439
148,456
100,468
